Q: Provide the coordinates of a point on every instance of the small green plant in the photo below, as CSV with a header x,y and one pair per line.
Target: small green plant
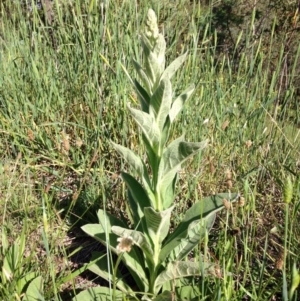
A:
x,y
16,281
152,254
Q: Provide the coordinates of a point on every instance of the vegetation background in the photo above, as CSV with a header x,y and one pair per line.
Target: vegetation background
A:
x,y
63,96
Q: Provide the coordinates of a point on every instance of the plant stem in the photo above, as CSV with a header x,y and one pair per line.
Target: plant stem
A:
x,y
115,275
284,287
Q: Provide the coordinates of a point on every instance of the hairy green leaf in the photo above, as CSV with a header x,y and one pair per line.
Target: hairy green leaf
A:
x,y
159,51
149,127
139,197
180,269
135,162
177,152
201,209
174,66
151,154
160,102
165,131
143,96
180,101
213,203
107,239
34,291
23,282
196,232
143,76
131,158
106,220
168,193
150,63
154,57
142,93
158,223
188,292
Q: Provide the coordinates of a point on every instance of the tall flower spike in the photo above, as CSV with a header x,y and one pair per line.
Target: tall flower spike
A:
x,y
154,47
151,30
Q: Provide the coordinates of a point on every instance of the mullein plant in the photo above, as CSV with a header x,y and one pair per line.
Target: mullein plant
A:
x,y
147,250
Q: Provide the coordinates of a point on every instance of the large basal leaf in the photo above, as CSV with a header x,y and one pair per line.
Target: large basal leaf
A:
x,y
107,239
188,292
133,259
180,269
100,268
34,291
158,223
200,209
106,221
139,197
99,293
196,232
180,101
174,66
23,282
139,239
149,127
160,102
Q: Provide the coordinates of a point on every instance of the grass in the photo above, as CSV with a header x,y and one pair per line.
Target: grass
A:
x,y
63,96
